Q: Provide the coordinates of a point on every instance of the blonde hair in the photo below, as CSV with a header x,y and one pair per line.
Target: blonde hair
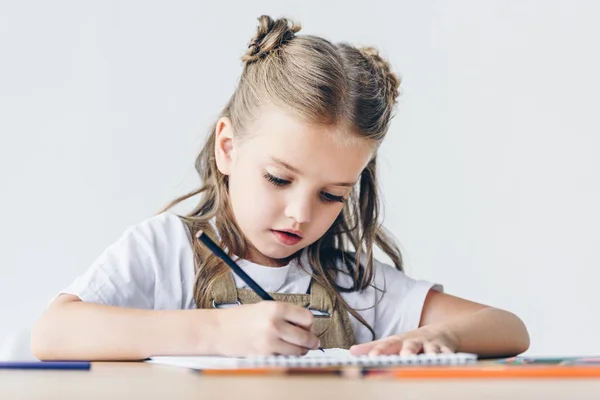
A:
x,y
322,83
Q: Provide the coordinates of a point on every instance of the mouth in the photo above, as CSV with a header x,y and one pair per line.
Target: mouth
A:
x,y
288,237
291,232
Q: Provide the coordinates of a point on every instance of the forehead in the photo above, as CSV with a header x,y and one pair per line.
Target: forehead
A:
x,y
322,151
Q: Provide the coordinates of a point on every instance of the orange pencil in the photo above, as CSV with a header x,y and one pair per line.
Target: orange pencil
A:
x,y
488,371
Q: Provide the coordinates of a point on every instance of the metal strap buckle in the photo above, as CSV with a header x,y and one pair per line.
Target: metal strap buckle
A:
x,y
225,305
318,313
315,313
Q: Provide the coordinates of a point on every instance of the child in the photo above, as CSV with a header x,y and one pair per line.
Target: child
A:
x,y
290,191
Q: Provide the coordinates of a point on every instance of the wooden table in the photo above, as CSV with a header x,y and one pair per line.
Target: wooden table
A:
x,y
136,380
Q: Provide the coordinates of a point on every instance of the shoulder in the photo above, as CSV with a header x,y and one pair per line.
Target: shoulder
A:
x,y
159,229
146,242
381,271
389,286
152,242
166,221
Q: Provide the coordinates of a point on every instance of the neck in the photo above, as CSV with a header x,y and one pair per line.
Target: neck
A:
x,y
257,257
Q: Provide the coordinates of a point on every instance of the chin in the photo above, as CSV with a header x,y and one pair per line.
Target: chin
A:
x,y
277,252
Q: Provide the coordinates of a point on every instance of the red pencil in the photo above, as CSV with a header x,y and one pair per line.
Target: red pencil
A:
x,y
346,372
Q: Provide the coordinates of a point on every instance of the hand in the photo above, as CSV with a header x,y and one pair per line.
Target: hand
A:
x,y
422,340
265,328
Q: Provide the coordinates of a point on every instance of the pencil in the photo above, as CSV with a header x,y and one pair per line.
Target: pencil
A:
x,y
346,372
212,246
70,365
487,372
217,251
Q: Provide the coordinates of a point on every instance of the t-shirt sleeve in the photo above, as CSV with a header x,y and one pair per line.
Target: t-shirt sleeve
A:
x,y
123,275
149,267
400,300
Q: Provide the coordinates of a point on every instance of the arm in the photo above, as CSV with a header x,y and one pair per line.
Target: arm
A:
x,y
476,328
74,330
450,324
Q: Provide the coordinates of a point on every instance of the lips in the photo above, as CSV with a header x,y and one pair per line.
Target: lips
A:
x,y
288,237
292,232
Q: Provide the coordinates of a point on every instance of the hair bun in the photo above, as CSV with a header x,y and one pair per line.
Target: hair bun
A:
x,y
382,67
271,35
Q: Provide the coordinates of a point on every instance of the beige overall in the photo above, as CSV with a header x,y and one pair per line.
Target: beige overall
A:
x,y
334,330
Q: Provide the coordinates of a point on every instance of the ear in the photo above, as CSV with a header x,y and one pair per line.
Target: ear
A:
x,y
223,145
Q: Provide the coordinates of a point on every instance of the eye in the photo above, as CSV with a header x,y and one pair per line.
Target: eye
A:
x,y
330,198
274,180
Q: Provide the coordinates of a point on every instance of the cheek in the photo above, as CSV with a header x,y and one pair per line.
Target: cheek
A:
x,y
251,199
325,217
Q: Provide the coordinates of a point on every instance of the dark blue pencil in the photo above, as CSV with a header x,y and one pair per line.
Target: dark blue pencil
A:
x,y
212,246
82,365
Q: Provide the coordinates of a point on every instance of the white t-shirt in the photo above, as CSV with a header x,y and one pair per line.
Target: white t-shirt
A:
x,y
152,267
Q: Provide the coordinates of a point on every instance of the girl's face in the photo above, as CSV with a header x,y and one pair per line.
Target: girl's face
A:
x,y
288,180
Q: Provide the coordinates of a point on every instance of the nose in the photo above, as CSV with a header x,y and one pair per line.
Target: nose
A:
x,y
300,208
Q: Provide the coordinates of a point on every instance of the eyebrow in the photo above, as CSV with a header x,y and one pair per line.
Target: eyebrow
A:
x,y
296,170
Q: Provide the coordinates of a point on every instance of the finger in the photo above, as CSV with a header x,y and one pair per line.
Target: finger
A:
x,y
446,349
281,347
431,348
297,335
364,348
411,347
296,315
391,345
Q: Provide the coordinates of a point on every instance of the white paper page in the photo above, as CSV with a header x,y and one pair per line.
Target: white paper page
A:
x,y
331,357
328,353
211,362
196,362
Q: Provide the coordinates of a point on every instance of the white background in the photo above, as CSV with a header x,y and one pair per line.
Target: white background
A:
x,y
489,172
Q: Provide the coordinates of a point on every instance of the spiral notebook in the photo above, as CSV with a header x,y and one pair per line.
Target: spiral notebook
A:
x,y
315,358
